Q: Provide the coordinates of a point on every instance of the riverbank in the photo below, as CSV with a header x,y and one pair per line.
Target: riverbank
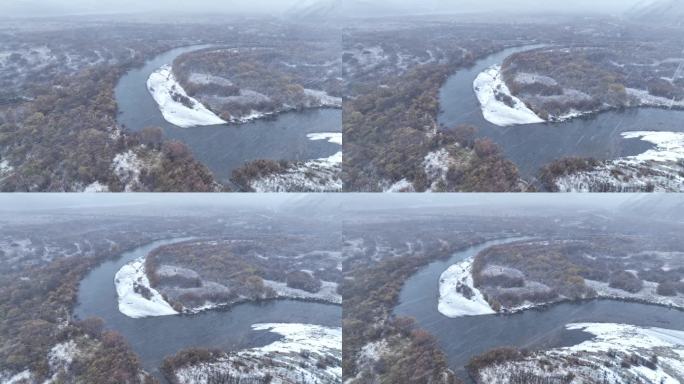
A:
x,y
657,170
618,352
305,353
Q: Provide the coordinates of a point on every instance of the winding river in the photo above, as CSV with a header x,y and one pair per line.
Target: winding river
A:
x,y
154,338
465,337
534,145
224,148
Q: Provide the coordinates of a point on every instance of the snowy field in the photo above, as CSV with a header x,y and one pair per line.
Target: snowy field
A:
x,y
660,168
319,175
166,91
616,353
490,87
130,281
457,293
306,354
327,293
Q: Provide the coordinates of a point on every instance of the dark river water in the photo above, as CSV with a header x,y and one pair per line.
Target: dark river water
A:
x,y
532,146
465,337
226,147
154,338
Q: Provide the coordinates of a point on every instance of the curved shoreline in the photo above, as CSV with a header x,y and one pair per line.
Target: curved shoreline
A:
x,y
552,140
488,332
137,298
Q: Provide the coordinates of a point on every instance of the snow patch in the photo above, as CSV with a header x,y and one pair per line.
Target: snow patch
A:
x,y
490,89
617,353
436,166
328,292
297,337
5,167
457,293
21,377
307,354
319,175
126,167
660,169
96,187
402,185
645,99
166,90
131,278
321,98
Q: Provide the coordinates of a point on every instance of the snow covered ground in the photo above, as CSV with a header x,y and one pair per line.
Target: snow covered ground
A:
x,y
327,293
137,299
617,353
319,175
457,293
490,89
166,91
5,169
659,169
647,294
645,99
322,99
306,354
127,167
402,185
19,378
95,187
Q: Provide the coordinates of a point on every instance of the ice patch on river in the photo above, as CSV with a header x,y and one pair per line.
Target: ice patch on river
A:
x,y
457,293
331,137
131,282
491,90
306,353
167,92
297,337
659,169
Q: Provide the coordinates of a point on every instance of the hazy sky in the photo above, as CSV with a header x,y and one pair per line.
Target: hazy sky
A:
x,y
610,6
62,7
33,202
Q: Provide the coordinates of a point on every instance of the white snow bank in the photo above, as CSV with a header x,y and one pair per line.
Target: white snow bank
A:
x,y
457,293
487,86
625,338
308,354
163,85
134,304
616,354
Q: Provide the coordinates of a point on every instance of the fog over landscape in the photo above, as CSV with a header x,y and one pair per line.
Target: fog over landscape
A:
x,y
24,8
